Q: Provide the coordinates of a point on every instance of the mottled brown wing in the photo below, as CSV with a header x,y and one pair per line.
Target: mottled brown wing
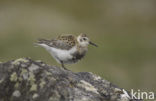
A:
x,y
65,41
62,42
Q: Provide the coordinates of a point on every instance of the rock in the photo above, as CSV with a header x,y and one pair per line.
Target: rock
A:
x,y
27,80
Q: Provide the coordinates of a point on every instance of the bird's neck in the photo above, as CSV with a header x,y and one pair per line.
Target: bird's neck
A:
x,y
82,49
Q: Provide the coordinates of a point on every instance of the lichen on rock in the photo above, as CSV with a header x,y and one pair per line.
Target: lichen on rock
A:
x,y
33,87
16,93
35,96
87,86
27,80
1,80
13,77
42,83
17,61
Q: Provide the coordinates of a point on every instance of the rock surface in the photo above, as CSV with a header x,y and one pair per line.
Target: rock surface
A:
x,y
27,80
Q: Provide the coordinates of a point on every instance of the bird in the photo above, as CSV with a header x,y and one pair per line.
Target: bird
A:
x,y
67,49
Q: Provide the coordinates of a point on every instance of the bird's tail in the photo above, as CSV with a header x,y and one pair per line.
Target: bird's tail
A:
x,y
40,41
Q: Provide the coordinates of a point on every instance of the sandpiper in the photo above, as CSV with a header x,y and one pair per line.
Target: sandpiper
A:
x,y
67,49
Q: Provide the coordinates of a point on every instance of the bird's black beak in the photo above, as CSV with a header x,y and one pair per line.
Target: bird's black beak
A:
x,y
93,44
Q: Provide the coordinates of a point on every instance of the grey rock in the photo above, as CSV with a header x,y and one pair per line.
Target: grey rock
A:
x,y
27,80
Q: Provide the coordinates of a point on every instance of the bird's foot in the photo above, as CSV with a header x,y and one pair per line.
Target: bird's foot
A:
x,y
64,67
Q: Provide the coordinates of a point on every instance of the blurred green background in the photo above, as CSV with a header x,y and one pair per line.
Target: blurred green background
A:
x,y
125,31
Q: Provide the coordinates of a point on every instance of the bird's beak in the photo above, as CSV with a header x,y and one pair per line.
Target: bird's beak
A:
x,y
93,44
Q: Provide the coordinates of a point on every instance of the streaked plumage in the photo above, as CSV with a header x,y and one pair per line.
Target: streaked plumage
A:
x,y
65,42
66,49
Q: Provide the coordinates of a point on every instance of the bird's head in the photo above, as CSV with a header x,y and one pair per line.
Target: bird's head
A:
x,y
84,41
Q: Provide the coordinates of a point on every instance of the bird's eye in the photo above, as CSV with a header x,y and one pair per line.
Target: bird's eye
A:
x,y
84,39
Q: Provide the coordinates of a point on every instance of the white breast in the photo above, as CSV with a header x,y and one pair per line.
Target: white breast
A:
x,y
60,55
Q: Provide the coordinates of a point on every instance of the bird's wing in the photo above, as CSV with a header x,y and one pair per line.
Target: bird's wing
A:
x,y
62,42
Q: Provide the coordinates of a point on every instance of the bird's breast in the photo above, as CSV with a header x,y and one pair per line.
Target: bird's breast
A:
x,y
78,56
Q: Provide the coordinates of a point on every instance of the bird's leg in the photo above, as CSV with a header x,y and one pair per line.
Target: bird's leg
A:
x,y
62,64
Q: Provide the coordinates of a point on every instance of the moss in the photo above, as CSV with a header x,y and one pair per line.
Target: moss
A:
x,y
42,83
13,77
33,87
17,61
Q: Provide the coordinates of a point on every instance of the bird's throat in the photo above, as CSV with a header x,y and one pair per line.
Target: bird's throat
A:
x,y
81,49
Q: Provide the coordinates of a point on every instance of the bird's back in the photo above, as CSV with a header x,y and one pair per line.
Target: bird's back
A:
x,y
64,42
